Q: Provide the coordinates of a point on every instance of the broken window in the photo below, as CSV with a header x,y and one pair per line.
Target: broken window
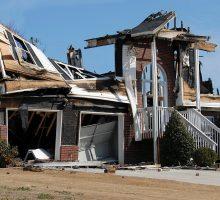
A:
x,y
69,72
23,52
189,67
147,86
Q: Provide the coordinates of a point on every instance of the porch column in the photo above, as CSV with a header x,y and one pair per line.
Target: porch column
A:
x,y
155,97
197,79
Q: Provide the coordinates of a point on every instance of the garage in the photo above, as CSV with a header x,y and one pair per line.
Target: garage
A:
x,y
34,129
99,137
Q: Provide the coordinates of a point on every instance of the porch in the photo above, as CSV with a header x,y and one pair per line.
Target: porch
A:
x,y
204,132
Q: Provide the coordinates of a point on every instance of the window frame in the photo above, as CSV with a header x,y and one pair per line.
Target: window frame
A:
x,y
21,49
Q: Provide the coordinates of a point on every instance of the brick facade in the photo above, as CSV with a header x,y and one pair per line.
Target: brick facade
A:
x,y
3,133
135,152
69,153
142,151
165,58
215,114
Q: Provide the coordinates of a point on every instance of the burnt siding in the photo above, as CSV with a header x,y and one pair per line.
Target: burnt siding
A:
x,y
70,126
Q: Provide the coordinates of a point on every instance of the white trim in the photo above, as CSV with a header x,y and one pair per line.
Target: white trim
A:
x,y
99,96
101,113
202,104
2,66
121,139
162,83
197,79
6,120
58,134
19,49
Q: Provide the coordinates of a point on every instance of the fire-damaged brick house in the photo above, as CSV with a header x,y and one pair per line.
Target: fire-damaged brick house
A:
x,y
78,115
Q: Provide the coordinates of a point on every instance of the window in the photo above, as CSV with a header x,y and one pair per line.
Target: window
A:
x,y
147,86
23,51
73,73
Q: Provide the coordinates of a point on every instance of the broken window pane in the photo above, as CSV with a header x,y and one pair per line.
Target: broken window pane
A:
x,y
20,43
24,53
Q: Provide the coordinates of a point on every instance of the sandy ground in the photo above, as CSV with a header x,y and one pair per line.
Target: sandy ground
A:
x,y
50,184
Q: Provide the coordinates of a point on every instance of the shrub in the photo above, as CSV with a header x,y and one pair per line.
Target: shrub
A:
x,y
204,157
177,145
7,154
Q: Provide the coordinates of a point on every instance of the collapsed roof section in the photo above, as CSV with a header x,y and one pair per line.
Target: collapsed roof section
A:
x,y
24,67
89,85
71,73
155,25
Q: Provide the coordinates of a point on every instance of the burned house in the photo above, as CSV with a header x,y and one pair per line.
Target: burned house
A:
x,y
78,115
66,110
161,70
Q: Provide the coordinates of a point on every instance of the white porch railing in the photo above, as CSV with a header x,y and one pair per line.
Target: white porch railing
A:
x,y
202,139
203,124
146,117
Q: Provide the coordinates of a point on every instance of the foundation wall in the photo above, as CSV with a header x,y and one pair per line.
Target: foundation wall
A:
x,y
3,133
69,153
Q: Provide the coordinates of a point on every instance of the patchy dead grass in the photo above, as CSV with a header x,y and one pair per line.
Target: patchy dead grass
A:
x,y
50,184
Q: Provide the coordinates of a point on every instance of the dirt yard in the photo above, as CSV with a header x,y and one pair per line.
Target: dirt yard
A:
x,y
18,184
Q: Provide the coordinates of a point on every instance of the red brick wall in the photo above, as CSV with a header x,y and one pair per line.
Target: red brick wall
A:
x,y
3,133
69,153
143,151
215,114
165,59
135,152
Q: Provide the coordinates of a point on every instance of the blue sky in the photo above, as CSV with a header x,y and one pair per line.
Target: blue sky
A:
x,y
59,23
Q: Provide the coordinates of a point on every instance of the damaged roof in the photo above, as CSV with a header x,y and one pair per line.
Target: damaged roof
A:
x,y
24,67
155,25
89,85
152,24
107,89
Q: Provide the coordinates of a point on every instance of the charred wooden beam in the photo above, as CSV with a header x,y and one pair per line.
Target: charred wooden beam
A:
x,y
51,125
32,115
118,58
99,42
205,46
103,41
41,123
31,85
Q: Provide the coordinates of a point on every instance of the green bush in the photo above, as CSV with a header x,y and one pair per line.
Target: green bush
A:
x,y
204,157
177,145
7,154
